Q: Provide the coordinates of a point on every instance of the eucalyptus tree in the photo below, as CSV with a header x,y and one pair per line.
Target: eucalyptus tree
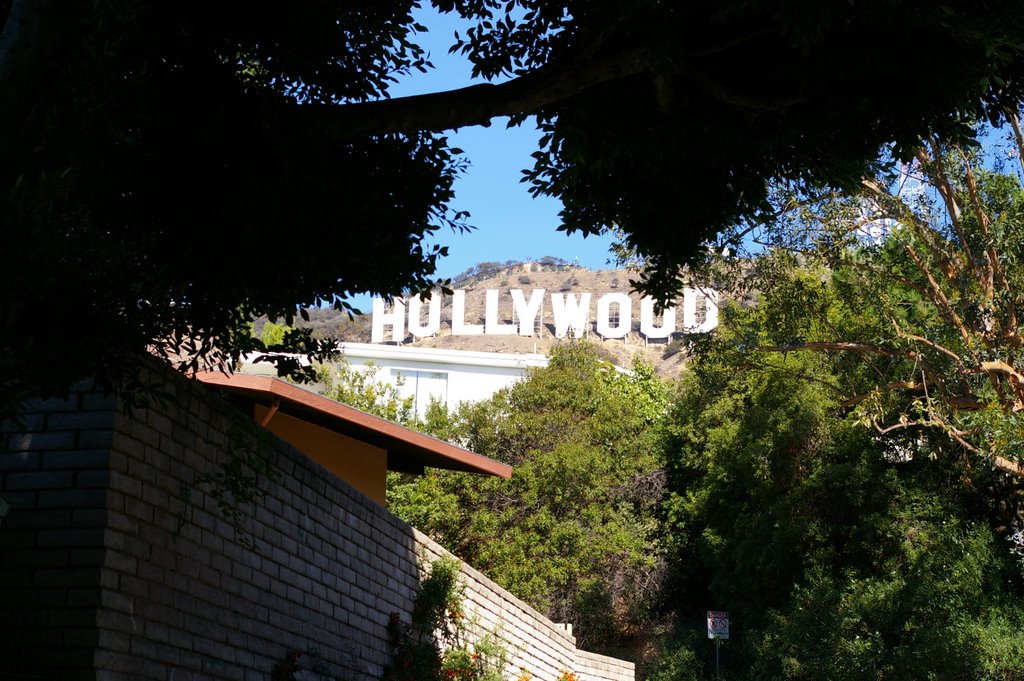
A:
x,y
919,291
837,555
845,471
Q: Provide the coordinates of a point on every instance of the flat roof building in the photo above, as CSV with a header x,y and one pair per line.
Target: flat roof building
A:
x,y
448,376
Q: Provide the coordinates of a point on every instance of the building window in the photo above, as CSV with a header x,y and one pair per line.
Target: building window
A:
x,y
423,386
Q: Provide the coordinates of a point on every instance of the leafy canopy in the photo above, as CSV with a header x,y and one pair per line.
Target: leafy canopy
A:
x,y
156,155
577,521
844,465
837,555
359,387
914,283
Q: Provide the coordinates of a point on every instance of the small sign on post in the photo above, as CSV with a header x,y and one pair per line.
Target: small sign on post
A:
x,y
718,629
718,624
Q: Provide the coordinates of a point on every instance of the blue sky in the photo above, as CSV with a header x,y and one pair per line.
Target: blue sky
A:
x,y
510,224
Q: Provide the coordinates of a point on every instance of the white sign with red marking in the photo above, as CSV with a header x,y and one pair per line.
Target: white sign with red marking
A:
x,y
718,624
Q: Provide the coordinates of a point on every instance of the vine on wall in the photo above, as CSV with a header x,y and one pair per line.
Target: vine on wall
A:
x,y
435,644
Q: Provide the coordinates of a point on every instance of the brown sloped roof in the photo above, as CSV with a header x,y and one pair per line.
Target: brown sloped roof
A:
x,y
408,450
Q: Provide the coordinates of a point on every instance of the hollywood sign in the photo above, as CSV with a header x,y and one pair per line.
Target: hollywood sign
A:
x,y
570,313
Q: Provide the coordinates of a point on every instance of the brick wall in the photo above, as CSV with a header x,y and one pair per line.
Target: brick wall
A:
x,y
54,475
142,577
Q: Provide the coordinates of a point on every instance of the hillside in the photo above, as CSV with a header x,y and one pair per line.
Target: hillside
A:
x,y
553,275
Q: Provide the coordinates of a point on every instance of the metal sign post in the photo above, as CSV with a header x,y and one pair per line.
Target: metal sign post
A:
x,y
718,629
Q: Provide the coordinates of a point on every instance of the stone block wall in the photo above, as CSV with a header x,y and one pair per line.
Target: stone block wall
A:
x,y
55,475
594,667
114,536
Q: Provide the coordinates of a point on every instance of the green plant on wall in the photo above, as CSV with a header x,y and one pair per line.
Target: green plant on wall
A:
x,y
237,483
434,644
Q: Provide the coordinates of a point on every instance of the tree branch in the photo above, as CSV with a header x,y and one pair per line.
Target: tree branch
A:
x,y
478,104
988,275
999,462
835,345
1015,379
865,348
529,93
1000,367
1005,465
1018,134
896,207
942,302
892,385
995,273
930,343
941,183
724,94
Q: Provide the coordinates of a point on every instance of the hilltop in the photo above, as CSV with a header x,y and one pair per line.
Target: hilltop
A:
x,y
553,275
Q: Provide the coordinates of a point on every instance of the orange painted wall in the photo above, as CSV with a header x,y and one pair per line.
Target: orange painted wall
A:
x,y
359,464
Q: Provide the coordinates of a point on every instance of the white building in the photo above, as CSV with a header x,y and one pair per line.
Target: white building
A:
x,y
450,376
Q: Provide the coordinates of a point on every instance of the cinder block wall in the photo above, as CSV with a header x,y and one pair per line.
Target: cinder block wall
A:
x,y
54,474
112,534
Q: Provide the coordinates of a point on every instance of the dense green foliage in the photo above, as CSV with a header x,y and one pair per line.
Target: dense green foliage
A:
x,y
844,472
839,553
837,556
359,387
155,154
924,298
573,532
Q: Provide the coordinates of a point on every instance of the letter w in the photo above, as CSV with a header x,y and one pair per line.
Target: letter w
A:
x,y
570,312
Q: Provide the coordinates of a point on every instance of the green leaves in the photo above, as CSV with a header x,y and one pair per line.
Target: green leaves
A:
x,y
359,387
837,557
579,537
172,189
825,483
